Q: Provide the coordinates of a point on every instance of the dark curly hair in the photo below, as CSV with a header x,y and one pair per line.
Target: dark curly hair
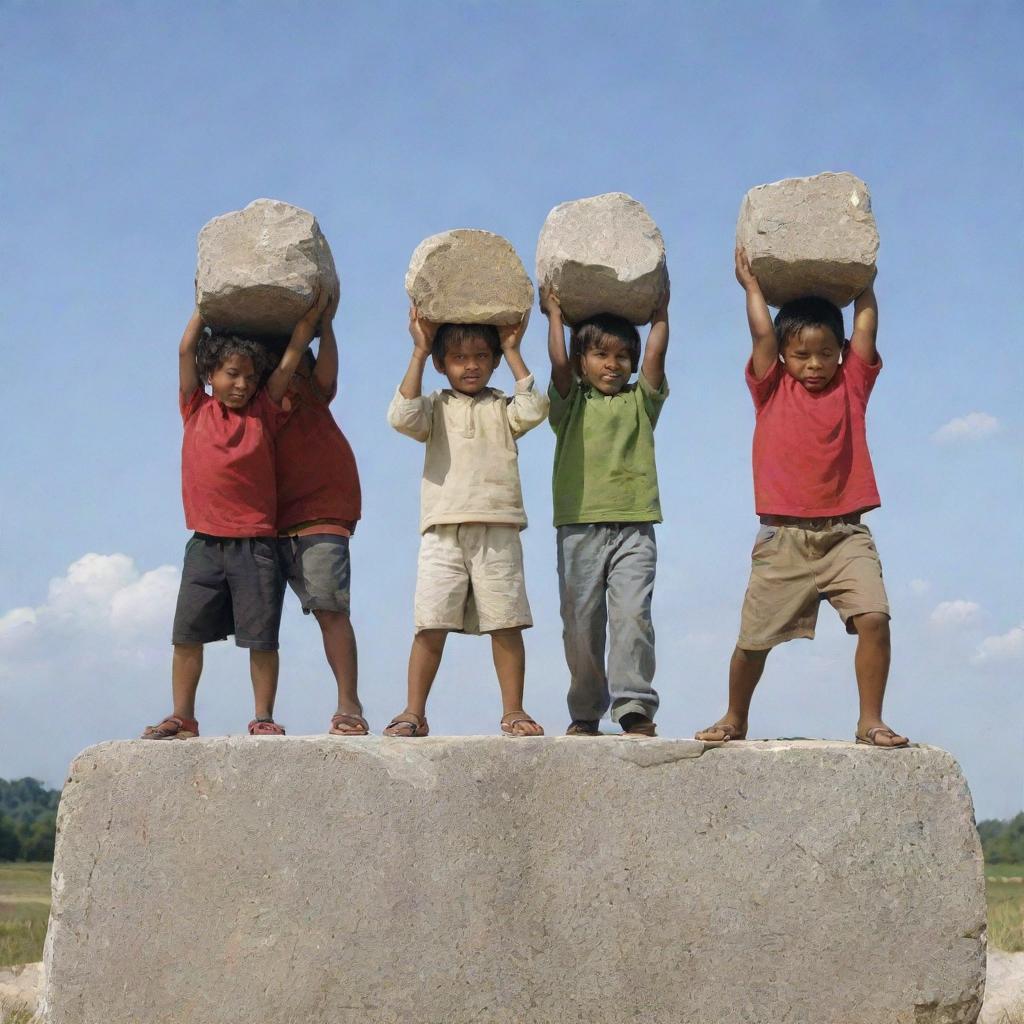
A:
x,y
213,349
588,333
794,316
450,335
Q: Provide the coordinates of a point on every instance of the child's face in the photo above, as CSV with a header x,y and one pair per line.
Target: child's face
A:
x,y
607,366
812,357
468,366
234,381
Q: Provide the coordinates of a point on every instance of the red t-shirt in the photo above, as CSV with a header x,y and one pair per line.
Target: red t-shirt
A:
x,y
811,456
317,476
227,465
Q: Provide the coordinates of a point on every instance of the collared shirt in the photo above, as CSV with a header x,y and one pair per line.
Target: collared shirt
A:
x,y
604,454
810,452
471,463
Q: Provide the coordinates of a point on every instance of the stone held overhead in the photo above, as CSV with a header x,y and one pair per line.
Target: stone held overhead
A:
x,y
603,254
468,276
259,268
810,236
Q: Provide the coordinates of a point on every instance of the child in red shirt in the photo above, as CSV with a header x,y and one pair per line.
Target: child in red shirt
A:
x,y
231,580
318,506
812,481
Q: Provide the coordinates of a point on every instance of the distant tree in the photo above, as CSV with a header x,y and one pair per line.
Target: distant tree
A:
x,y
38,844
10,844
1003,841
28,811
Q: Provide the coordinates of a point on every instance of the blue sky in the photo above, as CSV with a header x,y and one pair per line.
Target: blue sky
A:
x,y
128,126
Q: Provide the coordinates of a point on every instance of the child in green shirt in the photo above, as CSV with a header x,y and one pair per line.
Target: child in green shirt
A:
x,y
605,486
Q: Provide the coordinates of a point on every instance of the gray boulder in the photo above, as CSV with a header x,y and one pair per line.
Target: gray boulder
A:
x,y
810,236
259,268
468,276
603,255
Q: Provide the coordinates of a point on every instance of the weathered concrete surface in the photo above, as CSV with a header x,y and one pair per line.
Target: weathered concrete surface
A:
x,y
259,268
603,254
810,236
468,276
547,881
20,988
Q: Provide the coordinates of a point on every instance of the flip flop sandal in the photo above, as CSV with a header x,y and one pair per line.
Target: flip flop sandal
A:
x,y
358,725
509,728
172,728
731,733
408,729
258,728
583,727
868,739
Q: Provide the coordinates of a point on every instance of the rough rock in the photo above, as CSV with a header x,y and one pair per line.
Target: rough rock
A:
x,y
20,987
259,268
1004,988
549,881
810,236
603,255
468,276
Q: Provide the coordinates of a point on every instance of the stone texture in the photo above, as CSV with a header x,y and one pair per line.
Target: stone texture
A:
x,y
20,987
810,236
468,276
258,268
1004,988
603,255
547,881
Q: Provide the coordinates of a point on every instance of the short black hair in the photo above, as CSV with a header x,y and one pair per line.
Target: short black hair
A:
x,y
588,333
450,335
811,311
274,349
213,349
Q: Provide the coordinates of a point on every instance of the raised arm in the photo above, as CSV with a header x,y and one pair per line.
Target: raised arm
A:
x,y
511,337
865,326
422,332
302,335
326,372
653,367
762,330
188,372
561,367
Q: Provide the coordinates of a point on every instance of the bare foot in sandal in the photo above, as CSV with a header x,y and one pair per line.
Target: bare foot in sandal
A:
x,y
407,724
519,723
723,730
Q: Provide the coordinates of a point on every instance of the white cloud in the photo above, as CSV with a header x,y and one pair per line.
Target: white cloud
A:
x,y
972,427
920,587
1003,647
950,614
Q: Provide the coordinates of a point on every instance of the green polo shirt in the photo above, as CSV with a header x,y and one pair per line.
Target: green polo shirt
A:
x,y
604,454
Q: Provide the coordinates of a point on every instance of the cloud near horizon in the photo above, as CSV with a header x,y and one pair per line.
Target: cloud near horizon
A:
x,y
972,427
1003,647
949,614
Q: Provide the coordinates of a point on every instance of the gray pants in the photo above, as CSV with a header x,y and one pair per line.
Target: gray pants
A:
x,y
606,579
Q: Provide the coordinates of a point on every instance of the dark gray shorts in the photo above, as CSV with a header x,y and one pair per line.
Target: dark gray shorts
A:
x,y
317,568
230,586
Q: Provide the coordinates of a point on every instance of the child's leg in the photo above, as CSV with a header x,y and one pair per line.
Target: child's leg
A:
x,y
424,661
582,562
745,670
631,571
872,666
340,648
186,668
510,665
263,667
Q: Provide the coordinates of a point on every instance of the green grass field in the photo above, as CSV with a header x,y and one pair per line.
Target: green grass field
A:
x,y
1005,906
24,909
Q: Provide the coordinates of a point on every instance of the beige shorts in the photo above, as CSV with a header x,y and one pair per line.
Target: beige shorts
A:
x,y
470,579
794,569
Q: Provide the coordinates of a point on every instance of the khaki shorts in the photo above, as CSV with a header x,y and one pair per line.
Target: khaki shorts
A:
x,y
794,569
470,579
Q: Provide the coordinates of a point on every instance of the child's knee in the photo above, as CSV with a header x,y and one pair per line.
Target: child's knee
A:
x,y
754,657
872,626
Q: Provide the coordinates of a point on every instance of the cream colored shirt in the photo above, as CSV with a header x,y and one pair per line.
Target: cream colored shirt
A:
x,y
471,465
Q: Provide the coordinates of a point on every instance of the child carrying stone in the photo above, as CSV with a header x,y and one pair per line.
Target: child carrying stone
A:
x,y
318,506
606,502
231,581
470,573
813,480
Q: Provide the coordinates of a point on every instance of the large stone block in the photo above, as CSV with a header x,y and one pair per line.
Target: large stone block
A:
x,y
259,268
468,276
603,255
810,236
535,881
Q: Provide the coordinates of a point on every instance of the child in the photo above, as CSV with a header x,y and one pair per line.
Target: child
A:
x,y
231,580
470,573
606,500
318,506
813,480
